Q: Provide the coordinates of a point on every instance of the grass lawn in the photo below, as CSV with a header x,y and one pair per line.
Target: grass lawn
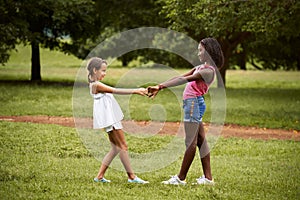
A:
x,y
41,161
253,98
262,106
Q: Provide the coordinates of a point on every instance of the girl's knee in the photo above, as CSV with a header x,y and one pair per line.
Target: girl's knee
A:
x,y
190,140
120,147
190,144
124,147
200,140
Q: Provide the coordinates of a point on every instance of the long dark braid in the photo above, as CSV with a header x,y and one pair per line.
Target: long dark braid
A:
x,y
214,49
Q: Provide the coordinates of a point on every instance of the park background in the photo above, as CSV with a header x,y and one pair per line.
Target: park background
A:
x,y
40,161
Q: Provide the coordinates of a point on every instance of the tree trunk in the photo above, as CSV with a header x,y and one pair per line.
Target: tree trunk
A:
x,y
226,52
228,46
242,59
298,63
254,65
124,62
35,62
222,78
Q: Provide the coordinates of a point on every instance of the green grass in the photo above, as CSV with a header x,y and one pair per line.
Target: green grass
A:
x,y
23,98
50,162
253,98
263,79
265,99
41,161
270,107
263,107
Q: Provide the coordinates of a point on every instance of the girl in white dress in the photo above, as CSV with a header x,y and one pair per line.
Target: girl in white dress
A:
x,y
107,114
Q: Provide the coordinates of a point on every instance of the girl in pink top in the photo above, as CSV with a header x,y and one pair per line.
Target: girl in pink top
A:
x,y
197,82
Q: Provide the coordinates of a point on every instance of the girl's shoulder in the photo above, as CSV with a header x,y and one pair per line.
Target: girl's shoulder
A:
x,y
93,86
95,83
205,66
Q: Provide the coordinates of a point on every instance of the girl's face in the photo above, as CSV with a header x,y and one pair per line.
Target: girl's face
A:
x,y
100,74
201,52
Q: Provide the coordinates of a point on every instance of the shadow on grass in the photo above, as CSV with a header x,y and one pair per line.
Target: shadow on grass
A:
x,y
39,83
47,83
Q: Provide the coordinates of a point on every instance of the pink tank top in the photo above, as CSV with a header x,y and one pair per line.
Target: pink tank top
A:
x,y
200,87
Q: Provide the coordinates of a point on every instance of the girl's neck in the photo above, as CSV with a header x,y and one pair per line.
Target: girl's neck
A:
x,y
93,79
208,63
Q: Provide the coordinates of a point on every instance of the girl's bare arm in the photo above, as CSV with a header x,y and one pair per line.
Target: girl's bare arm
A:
x,y
102,88
179,80
175,81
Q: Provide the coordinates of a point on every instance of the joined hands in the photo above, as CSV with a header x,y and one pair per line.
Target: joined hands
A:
x,y
150,91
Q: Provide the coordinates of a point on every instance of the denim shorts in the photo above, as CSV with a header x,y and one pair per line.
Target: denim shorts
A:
x,y
194,109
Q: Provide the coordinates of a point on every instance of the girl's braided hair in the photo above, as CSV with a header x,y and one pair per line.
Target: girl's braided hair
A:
x,y
213,48
94,63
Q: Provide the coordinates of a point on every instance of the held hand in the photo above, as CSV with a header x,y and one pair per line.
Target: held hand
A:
x,y
141,91
152,91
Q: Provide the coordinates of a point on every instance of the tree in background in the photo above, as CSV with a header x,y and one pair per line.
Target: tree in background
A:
x,y
235,22
278,48
116,16
11,29
261,32
51,24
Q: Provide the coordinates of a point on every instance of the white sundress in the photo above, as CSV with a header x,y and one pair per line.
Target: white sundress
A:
x,y
106,111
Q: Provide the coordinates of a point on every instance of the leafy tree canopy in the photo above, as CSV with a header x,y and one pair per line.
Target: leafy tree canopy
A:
x,y
62,24
249,22
264,31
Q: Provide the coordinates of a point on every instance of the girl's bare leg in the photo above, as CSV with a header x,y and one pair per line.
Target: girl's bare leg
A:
x,y
108,158
204,152
191,132
119,141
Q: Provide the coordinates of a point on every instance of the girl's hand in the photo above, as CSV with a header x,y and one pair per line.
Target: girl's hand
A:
x,y
141,91
152,91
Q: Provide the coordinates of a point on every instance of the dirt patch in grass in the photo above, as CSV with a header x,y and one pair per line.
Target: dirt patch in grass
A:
x,y
170,128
